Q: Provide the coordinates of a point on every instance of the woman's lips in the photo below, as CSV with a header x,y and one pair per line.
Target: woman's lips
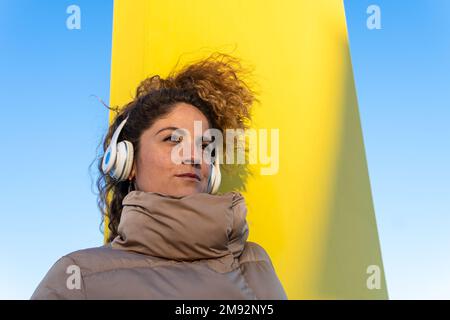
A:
x,y
189,176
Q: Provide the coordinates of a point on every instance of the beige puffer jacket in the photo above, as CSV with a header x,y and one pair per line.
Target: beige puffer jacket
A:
x,y
193,247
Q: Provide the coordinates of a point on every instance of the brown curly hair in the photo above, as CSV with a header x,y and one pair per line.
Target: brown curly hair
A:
x,y
214,85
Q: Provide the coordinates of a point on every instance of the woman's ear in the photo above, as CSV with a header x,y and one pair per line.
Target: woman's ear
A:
x,y
133,172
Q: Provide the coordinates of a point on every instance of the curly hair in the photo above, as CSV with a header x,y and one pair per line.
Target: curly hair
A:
x,y
214,85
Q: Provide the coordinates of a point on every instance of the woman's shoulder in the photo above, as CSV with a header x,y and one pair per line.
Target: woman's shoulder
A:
x,y
69,271
106,258
254,252
260,273
100,252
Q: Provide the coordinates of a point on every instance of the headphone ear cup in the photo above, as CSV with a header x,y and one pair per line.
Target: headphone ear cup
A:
x,y
216,178
129,160
123,164
108,159
212,178
110,156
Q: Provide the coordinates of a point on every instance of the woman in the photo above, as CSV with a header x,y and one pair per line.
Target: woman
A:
x,y
170,235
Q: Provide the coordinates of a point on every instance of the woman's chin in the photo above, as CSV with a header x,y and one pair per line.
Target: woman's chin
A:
x,y
186,190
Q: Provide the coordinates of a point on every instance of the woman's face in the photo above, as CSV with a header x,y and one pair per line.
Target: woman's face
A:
x,y
155,169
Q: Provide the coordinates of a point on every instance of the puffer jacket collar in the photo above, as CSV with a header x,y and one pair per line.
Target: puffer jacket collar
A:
x,y
194,227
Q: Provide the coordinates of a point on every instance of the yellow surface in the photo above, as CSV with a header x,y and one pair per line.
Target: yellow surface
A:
x,y
315,217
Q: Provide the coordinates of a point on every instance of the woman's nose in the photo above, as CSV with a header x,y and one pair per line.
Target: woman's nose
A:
x,y
191,153
194,158
191,161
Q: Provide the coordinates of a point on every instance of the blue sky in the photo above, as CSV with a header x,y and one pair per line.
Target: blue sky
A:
x,y
51,126
402,77
49,74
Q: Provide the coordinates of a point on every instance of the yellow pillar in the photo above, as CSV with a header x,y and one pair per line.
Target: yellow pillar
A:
x,y
315,217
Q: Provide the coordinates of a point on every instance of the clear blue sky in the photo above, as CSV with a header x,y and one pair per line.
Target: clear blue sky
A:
x,y
402,76
52,126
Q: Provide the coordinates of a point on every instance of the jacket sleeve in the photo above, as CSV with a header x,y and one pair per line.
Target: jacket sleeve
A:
x,y
260,274
62,282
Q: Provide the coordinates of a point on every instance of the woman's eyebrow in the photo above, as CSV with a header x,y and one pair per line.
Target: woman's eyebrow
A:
x,y
166,128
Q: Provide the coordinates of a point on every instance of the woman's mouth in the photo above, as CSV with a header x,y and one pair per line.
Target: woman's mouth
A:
x,y
192,176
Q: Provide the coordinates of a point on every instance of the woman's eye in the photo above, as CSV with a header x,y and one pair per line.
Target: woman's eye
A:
x,y
174,139
206,143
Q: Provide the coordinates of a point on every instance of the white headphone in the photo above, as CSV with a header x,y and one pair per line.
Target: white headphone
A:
x,y
118,161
